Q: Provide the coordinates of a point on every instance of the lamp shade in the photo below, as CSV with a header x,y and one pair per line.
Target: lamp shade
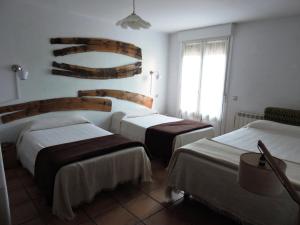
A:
x,y
259,179
134,22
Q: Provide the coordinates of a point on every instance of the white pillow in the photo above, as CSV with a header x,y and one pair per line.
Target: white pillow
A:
x,y
58,121
139,112
275,127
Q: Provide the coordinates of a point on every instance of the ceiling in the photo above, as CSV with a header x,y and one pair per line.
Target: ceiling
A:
x,y
174,15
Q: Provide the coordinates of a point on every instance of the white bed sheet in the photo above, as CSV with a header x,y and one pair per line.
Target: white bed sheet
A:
x,y
135,128
209,170
81,181
281,143
32,142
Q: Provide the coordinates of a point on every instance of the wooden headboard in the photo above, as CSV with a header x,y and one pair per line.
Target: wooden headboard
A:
x,y
33,108
124,95
282,115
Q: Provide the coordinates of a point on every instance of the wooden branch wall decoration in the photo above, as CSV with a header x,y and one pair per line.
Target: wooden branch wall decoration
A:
x,y
96,45
27,109
125,95
97,73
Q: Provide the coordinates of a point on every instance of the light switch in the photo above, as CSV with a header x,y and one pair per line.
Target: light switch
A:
x,y
235,98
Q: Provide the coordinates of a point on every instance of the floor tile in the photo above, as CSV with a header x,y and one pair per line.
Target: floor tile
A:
x,y
125,193
17,197
159,172
88,223
22,171
164,196
116,216
42,207
81,218
100,204
23,213
194,212
36,221
27,180
164,217
150,186
11,174
143,206
33,192
14,184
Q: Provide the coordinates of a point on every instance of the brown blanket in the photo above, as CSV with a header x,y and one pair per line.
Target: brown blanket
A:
x,y
49,160
159,139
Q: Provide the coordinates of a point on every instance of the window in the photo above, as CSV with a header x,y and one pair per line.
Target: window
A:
x,y
203,79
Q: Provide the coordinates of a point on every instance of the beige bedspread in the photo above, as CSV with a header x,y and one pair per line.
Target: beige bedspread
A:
x,y
208,169
80,182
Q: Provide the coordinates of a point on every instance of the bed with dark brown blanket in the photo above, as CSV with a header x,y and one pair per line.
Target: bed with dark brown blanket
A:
x,y
160,138
72,160
161,134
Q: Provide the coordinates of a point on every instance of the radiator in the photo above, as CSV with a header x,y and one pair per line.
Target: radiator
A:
x,y
243,118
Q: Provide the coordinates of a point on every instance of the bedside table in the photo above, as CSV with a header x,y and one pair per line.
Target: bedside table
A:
x,y
4,203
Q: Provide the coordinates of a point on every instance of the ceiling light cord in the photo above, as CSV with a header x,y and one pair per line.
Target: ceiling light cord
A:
x,y
133,6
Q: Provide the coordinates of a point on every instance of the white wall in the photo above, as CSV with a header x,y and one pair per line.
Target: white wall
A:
x,y
264,66
25,32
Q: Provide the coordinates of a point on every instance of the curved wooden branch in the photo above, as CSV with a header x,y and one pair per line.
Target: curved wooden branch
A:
x,y
124,95
120,49
33,108
96,44
97,73
90,41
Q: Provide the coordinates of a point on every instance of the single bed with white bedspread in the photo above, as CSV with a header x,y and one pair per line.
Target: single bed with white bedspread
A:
x,y
80,181
134,126
208,170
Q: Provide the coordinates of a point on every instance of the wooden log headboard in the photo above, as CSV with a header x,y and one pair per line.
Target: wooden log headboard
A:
x,y
33,108
124,95
96,44
118,72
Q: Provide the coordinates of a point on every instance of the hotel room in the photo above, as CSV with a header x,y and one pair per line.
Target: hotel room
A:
x,y
149,112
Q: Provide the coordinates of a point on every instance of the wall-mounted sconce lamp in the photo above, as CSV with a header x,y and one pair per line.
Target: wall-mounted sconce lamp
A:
x,y
20,72
155,75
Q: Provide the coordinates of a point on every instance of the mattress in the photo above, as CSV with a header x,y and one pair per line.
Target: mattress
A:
x,y
134,127
79,182
208,169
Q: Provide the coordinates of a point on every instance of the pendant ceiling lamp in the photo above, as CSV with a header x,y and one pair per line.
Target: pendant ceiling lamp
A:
x,y
133,21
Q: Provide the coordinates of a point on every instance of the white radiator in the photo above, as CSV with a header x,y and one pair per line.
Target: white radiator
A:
x,y
243,118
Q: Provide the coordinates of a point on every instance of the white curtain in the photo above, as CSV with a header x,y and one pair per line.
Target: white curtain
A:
x,y
202,81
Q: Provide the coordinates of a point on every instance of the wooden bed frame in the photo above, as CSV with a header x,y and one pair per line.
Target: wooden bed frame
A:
x,y
33,108
124,95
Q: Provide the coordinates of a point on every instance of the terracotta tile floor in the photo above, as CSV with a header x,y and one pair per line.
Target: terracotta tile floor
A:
x,y
128,204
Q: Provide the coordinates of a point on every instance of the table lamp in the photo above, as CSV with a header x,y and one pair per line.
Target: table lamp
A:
x,y
263,174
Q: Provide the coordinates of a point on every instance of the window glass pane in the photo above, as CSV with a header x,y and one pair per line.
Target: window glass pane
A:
x,y
190,78
213,79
